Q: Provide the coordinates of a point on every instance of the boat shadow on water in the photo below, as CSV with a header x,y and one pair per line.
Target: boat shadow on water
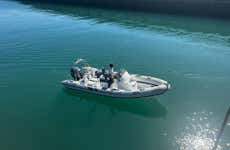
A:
x,y
146,107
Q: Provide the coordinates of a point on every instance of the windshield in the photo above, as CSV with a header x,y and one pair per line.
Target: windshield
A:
x,y
80,63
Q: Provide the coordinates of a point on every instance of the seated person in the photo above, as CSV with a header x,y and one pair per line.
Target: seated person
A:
x,y
75,73
100,73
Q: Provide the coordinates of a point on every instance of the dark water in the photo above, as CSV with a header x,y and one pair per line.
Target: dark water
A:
x,y
39,42
210,8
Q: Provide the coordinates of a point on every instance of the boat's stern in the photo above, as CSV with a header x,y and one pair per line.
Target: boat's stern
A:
x,y
67,83
64,82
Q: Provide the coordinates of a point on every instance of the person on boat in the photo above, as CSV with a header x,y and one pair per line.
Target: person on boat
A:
x,y
111,70
100,74
111,75
76,73
103,71
103,74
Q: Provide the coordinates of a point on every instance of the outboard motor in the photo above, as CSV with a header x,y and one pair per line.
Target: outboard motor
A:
x,y
75,73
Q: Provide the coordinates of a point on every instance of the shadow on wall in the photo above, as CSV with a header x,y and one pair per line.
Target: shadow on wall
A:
x,y
212,8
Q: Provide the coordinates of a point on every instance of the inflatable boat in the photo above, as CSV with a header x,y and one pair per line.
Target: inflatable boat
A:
x,y
115,84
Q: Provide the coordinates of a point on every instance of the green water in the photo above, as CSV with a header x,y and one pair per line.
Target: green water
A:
x,y
39,42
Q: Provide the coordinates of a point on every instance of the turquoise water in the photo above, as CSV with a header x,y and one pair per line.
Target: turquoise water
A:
x,y
39,42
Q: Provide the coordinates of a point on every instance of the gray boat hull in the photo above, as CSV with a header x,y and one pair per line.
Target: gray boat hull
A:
x,y
159,89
